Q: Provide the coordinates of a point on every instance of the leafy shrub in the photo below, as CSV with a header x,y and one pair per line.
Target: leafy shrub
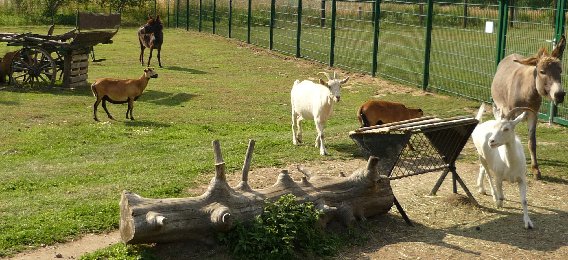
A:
x,y
285,230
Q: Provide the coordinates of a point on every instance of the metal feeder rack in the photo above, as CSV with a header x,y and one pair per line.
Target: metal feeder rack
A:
x,y
417,146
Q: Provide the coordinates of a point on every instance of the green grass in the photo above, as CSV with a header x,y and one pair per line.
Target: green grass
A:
x,y
62,173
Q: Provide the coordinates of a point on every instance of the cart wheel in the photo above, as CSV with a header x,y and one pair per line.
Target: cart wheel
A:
x,y
34,67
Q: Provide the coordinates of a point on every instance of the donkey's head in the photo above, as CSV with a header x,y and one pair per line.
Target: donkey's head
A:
x,y
548,68
334,84
152,25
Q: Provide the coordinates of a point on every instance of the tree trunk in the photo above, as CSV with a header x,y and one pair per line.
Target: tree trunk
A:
x,y
343,199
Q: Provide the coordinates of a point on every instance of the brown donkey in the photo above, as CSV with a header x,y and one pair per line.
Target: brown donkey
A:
x,y
151,36
522,82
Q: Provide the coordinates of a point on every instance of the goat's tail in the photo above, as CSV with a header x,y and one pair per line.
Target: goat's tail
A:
x,y
296,82
94,90
363,120
479,115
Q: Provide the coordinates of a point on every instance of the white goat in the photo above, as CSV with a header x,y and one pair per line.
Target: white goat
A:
x,y
502,156
314,102
120,91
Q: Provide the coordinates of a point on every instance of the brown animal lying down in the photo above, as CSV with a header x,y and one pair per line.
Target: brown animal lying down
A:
x,y
5,66
378,112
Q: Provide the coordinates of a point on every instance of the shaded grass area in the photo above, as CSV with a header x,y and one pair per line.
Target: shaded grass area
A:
x,y
62,173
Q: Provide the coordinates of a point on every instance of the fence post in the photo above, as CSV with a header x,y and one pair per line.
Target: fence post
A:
x,y
322,16
177,13
332,36
465,6
200,23
272,15
168,8
187,15
214,14
428,44
249,20
230,18
299,30
376,19
502,30
558,32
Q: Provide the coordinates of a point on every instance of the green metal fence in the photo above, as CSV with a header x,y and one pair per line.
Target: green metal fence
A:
x,y
444,46
450,46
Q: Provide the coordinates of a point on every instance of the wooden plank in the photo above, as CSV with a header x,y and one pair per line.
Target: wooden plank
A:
x,y
78,72
82,77
76,65
94,21
80,57
78,84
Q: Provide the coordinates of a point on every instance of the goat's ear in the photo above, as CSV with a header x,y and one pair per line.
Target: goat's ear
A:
x,y
323,82
345,80
559,49
497,113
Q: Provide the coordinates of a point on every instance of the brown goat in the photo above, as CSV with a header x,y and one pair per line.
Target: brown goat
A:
x,y
378,112
120,91
6,66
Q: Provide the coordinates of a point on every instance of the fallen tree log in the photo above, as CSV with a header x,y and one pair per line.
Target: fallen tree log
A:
x,y
142,220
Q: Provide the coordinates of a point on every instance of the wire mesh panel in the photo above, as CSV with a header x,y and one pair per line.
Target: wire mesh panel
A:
x,y
239,28
222,17
316,24
207,11
463,49
285,26
402,42
193,15
260,30
416,146
354,35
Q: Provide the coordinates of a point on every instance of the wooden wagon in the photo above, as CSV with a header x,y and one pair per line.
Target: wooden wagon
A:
x,y
43,59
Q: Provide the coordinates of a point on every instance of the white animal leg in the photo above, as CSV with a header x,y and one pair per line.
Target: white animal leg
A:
x,y
480,179
295,124
524,203
498,195
319,138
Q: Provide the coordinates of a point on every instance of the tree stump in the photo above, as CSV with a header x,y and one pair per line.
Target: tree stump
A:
x,y
363,194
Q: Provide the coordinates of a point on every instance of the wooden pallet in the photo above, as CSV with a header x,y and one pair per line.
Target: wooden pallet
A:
x,y
76,68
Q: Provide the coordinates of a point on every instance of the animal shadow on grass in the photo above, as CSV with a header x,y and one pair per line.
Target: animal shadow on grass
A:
x,y
349,148
191,71
144,123
557,164
165,98
84,90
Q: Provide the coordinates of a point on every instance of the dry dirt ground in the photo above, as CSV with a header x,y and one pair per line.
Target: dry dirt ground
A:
x,y
446,226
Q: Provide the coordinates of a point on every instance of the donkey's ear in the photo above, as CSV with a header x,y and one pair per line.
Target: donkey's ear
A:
x,y
158,18
532,61
559,49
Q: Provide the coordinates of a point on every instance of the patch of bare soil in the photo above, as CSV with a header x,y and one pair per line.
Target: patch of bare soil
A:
x,y
73,249
446,226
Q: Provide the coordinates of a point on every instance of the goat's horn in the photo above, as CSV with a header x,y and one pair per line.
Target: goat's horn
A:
x,y
513,111
334,75
326,75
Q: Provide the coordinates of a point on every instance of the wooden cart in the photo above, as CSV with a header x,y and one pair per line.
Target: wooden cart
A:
x,y
43,59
